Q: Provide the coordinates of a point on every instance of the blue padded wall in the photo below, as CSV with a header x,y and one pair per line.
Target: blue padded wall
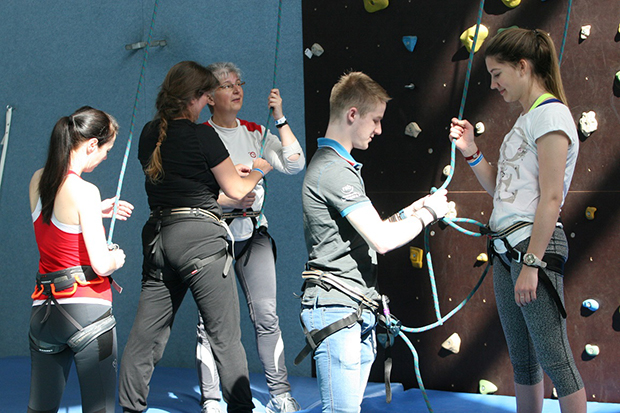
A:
x,y
58,56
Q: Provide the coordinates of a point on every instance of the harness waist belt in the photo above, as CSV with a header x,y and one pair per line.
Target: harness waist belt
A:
x,y
240,214
327,281
166,212
58,282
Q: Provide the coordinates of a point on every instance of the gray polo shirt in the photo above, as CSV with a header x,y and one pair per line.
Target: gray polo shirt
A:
x,y
333,187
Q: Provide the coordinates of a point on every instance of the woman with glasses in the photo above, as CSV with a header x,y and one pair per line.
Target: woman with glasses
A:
x,y
184,240
255,252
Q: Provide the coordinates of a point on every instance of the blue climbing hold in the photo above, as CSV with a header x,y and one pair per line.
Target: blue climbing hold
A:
x,y
591,304
410,42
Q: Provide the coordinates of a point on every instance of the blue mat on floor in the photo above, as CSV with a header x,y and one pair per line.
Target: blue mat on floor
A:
x,y
175,390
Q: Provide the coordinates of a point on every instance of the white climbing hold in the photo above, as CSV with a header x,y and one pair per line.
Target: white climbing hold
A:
x,y
452,343
486,387
308,53
446,170
585,31
317,49
412,129
588,123
451,214
479,128
592,350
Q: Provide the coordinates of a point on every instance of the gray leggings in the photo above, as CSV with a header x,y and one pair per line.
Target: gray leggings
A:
x,y
256,272
95,364
536,334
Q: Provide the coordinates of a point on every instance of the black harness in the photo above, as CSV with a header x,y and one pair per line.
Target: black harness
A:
x,y
554,262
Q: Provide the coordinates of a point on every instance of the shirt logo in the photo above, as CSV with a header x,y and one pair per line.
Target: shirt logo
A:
x,y
349,193
253,154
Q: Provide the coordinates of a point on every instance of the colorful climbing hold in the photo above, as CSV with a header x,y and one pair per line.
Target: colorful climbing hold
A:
x,y
410,42
590,212
591,304
511,3
467,37
486,387
416,255
372,6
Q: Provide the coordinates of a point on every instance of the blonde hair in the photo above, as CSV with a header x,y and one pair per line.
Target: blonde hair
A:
x,y
355,89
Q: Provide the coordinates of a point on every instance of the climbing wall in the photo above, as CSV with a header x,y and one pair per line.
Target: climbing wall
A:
x,y
426,85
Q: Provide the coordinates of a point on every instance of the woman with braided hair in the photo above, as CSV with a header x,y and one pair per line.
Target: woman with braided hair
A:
x,y
184,239
529,184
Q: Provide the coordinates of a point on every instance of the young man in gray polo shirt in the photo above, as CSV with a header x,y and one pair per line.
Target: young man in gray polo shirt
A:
x,y
343,233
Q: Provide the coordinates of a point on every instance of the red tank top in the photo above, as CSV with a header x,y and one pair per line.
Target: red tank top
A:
x,y
62,246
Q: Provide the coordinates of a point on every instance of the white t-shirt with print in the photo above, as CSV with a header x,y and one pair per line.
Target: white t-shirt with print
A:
x,y
517,190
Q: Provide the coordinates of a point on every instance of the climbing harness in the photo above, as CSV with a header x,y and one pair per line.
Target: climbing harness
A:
x,y
5,140
156,261
80,339
133,120
62,284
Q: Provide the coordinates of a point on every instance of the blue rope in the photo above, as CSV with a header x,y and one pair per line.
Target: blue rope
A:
x,y
452,223
131,128
570,3
264,139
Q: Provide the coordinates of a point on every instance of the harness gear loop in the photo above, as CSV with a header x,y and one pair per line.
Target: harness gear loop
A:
x,y
64,283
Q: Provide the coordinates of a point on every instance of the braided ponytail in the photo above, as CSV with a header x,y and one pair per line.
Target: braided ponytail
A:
x,y
184,82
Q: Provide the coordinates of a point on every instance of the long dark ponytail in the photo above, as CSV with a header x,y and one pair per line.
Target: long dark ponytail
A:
x,y
69,132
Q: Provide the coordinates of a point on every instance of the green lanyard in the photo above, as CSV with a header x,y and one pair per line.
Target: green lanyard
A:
x,y
541,99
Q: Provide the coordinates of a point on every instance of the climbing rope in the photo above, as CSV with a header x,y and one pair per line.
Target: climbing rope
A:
x,y
264,139
570,4
453,222
131,128
5,140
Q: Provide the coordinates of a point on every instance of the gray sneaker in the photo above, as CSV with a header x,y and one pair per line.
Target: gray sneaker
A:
x,y
282,403
211,406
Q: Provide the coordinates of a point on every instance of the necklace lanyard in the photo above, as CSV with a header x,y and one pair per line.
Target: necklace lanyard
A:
x,y
542,98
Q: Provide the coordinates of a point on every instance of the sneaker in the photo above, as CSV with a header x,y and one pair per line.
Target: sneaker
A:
x,y
282,403
211,406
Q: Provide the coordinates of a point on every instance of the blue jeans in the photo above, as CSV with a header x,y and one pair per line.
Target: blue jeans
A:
x,y
343,359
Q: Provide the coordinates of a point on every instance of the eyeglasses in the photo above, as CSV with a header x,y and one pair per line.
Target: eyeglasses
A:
x,y
230,86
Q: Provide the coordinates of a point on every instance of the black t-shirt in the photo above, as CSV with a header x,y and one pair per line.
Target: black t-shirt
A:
x,y
188,153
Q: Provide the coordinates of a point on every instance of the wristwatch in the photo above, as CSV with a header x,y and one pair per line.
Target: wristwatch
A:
x,y
532,260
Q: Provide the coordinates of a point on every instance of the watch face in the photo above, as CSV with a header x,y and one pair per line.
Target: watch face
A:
x,y
529,259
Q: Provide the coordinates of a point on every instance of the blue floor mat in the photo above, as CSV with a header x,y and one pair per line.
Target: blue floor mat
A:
x,y
175,390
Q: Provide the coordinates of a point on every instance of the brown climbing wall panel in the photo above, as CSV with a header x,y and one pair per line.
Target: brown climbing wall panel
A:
x,y
400,168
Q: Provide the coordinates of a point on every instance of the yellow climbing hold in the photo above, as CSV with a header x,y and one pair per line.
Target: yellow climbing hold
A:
x,y
486,387
372,6
415,255
511,3
483,257
590,212
467,37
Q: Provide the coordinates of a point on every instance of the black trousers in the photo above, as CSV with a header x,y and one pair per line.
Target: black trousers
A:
x,y
182,239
